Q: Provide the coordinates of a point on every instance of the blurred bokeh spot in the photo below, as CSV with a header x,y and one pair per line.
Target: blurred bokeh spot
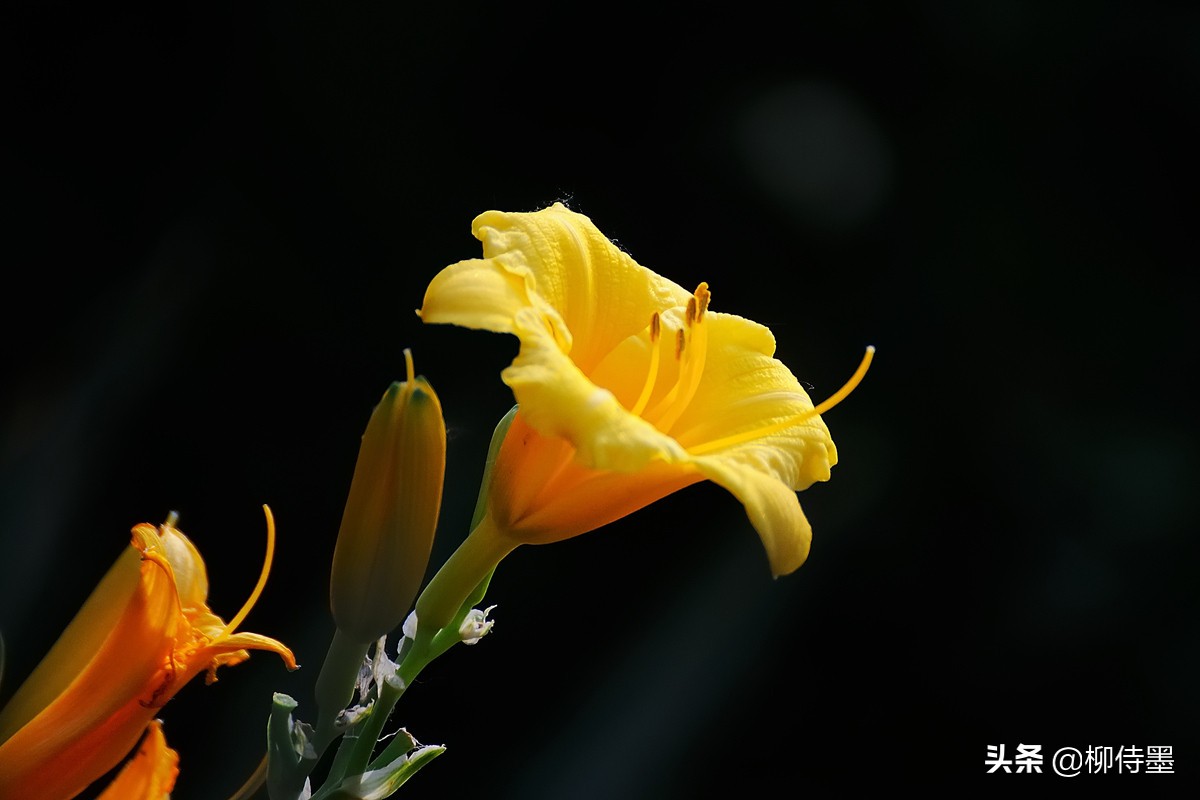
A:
x,y
815,149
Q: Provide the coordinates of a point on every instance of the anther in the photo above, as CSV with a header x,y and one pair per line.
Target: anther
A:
x,y
702,296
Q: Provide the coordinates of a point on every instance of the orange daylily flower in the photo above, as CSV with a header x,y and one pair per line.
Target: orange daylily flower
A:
x,y
145,631
150,775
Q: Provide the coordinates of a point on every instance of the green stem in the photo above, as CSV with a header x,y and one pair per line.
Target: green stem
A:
x,y
440,610
290,758
335,685
357,746
466,568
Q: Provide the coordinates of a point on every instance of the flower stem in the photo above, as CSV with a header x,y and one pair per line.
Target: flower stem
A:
x,y
440,610
335,684
359,743
466,568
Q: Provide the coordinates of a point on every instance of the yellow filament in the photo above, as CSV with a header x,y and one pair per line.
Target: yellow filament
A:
x,y
666,400
758,433
691,367
648,388
262,579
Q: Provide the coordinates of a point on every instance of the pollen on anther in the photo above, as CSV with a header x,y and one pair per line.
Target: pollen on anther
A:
x,y
691,310
680,340
702,296
655,327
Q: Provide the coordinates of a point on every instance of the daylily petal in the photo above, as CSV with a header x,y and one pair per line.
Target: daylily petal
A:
x,y
187,566
149,775
773,509
547,494
744,391
476,294
87,633
559,264
559,400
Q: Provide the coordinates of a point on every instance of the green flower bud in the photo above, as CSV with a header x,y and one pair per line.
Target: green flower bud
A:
x,y
391,513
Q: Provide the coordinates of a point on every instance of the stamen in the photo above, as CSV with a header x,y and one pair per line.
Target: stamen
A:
x,y
680,342
262,578
758,433
702,296
676,401
652,376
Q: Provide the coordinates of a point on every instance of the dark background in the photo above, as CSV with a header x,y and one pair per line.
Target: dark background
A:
x,y
219,224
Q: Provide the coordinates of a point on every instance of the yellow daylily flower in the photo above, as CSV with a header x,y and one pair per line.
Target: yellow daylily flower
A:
x,y
628,388
149,775
145,631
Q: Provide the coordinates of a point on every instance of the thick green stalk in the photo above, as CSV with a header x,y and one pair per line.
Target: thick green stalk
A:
x,y
335,684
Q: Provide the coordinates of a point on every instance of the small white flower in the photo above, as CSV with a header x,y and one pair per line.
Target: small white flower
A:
x,y
351,716
475,625
409,629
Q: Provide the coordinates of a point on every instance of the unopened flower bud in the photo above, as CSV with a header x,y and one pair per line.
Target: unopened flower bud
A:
x,y
391,513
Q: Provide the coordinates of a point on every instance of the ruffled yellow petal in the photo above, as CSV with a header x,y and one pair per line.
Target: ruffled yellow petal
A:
x,y
558,263
558,399
744,392
772,506
476,294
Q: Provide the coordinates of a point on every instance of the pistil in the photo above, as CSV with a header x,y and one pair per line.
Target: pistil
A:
x,y
795,419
